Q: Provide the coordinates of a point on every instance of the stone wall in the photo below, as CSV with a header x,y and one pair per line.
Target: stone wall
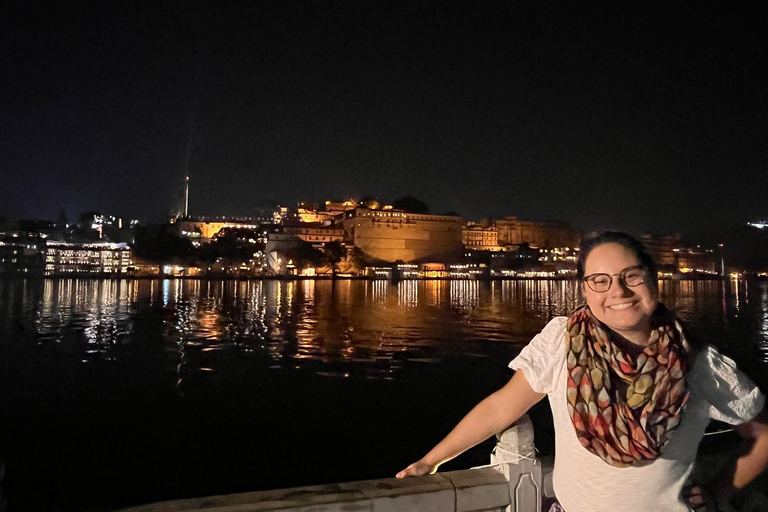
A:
x,y
406,237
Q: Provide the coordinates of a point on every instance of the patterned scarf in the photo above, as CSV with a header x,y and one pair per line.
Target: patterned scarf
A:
x,y
632,429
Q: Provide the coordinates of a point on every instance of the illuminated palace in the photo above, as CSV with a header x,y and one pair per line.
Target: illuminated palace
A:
x,y
391,235
510,232
386,234
381,232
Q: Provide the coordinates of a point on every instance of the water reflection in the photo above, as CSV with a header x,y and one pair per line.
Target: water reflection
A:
x,y
763,344
464,295
408,295
97,313
209,329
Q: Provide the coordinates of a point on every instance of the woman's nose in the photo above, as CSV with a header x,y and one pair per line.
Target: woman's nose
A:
x,y
619,288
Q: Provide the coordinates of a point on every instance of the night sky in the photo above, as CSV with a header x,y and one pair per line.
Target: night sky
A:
x,y
607,116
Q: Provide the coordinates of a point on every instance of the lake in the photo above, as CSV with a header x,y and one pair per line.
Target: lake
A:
x,y
120,392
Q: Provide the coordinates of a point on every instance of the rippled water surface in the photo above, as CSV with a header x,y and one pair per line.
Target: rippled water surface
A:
x,y
123,392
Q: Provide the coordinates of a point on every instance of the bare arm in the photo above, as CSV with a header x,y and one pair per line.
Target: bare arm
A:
x,y
490,416
752,459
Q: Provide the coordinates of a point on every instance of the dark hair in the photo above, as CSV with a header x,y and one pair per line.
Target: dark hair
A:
x,y
625,240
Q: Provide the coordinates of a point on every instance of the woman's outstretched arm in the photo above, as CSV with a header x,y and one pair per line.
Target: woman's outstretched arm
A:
x,y
750,462
490,416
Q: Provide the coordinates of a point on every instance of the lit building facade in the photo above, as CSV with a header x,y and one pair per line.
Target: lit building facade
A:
x,y
545,235
203,230
22,257
480,238
276,248
316,235
340,206
392,235
332,211
697,261
316,216
63,258
562,260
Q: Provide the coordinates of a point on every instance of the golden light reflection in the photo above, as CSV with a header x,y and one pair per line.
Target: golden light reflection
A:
x,y
408,294
434,291
352,328
464,294
308,286
376,292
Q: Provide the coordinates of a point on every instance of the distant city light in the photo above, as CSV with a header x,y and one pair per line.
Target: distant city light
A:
x,y
759,225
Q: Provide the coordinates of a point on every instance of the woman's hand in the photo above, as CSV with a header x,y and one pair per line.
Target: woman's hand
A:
x,y
417,469
699,499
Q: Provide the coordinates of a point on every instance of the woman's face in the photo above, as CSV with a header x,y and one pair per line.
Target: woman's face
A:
x,y
625,309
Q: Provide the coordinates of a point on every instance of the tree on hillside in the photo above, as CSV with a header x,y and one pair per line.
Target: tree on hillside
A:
x,y
231,246
358,258
333,254
526,257
85,219
410,204
164,247
62,220
305,256
370,202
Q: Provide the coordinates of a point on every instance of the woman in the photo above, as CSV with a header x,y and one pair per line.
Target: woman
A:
x,y
630,397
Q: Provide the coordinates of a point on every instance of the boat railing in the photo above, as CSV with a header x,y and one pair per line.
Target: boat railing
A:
x,y
513,482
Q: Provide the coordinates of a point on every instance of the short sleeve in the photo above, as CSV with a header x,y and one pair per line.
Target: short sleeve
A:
x,y
542,358
732,397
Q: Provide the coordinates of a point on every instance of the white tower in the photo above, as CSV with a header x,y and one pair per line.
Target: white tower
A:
x,y
186,198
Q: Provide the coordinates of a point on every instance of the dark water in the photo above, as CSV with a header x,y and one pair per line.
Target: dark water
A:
x,y
115,393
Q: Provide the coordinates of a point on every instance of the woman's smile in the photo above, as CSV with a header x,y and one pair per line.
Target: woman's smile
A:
x,y
623,305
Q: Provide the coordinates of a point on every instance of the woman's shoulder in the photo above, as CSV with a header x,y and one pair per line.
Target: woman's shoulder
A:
x,y
709,366
734,397
707,359
556,327
542,358
551,337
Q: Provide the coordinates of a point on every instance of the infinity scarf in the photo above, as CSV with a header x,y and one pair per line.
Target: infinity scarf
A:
x,y
632,429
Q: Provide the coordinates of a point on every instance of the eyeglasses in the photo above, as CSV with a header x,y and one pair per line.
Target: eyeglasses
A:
x,y
632,276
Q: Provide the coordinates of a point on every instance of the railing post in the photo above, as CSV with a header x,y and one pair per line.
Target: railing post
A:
x,y
2,474
515,454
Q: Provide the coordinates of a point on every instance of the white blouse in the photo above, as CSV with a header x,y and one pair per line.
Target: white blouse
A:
x,y
583,482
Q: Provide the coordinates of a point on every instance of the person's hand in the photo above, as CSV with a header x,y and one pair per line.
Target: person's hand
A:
x,y
417,469
699,499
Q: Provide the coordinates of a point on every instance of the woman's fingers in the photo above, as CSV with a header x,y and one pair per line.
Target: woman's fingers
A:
x,y
415,469
409,471
698,498
693,496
